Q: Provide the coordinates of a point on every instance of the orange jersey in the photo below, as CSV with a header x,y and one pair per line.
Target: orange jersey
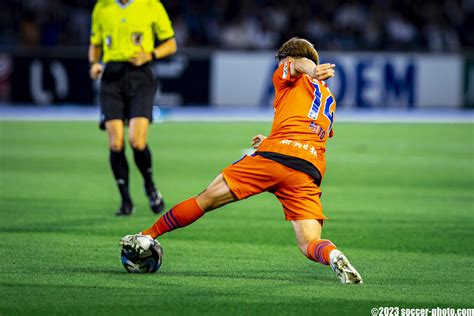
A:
x,y
304,115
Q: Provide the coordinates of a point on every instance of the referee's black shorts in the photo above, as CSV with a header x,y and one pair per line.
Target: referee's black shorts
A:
x,y
127,91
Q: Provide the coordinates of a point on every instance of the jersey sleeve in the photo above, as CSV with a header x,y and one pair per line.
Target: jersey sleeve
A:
x,y
282,77
162,24
96,28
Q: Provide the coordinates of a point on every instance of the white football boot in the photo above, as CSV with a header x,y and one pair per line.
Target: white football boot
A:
x,y
343,268
137,242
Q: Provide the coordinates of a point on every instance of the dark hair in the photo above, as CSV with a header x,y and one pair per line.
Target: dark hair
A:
x,y
298,48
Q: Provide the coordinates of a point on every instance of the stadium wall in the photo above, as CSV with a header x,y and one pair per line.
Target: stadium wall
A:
x,y
226,79
363,80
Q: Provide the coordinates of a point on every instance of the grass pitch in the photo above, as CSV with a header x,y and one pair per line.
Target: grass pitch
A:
x,y
400,199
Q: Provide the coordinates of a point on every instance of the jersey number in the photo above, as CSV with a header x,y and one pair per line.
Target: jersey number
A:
x,y
314,111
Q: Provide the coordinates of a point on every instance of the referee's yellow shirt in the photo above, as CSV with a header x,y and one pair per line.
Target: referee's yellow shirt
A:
x,y
124,29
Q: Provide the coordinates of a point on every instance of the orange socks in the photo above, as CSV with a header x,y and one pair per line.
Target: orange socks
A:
x,y
318,250
180,215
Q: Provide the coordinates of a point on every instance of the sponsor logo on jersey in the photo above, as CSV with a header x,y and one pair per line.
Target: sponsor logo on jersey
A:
x,y
297,144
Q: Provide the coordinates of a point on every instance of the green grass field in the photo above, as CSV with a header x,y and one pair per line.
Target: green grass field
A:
x,y
400,199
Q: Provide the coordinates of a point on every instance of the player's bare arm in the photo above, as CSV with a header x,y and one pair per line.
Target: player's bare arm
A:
x,y
257,140
307,66
95,70
324,71
163,50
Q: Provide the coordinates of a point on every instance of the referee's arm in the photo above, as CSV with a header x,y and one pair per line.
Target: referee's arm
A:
x,y
95,46
164,32
95,51
166,48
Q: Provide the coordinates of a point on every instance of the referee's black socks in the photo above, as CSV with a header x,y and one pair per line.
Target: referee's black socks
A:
x,y
119,165
143,162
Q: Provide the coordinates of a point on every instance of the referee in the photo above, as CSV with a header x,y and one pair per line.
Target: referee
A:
x,y
123,34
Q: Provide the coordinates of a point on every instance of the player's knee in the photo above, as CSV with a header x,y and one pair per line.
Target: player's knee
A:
x,y
206,201
137,143
116,145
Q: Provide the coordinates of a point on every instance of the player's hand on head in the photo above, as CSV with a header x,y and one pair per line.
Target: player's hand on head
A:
x,y
257,140
95,71
324,71
141,57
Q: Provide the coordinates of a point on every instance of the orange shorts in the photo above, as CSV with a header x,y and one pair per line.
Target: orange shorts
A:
x,y
296,191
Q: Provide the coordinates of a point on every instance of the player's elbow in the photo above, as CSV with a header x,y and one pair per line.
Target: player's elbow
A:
x,y
116,144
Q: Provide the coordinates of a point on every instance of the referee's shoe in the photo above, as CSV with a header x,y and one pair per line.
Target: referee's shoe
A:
x,y
126,208
157,203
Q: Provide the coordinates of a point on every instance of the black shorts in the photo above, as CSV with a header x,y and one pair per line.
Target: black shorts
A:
x,y
127,91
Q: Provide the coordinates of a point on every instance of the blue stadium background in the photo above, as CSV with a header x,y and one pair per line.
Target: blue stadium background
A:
x,y
399,60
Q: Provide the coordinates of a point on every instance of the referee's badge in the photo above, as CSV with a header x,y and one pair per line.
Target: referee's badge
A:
x,y
108,41
137,38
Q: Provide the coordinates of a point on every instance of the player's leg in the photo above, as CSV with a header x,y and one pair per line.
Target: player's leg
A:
x,y
247,177
112,104
141,93
118,162
138,134
308,237
217,194
242,179
300,197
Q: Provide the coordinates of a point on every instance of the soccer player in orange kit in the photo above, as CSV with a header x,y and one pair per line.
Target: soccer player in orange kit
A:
x,y
289,163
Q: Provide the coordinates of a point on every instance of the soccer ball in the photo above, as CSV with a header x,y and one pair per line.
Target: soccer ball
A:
x,y
148,261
